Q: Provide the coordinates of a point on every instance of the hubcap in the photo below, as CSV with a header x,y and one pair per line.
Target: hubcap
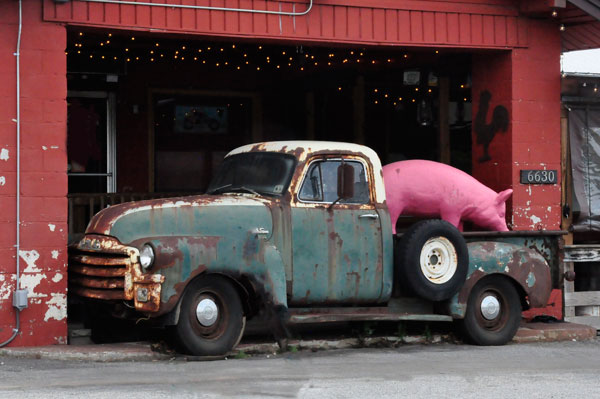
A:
x,y
490,307
438,260
207,312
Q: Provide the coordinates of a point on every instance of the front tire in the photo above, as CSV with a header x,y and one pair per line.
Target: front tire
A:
x,y
493,312
211,320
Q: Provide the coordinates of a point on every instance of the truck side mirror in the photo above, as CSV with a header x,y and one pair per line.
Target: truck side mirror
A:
x,y
345,180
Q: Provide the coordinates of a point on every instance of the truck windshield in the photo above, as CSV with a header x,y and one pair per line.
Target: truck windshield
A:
x,y
264,173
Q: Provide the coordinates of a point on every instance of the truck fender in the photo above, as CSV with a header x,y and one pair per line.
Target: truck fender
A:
x,y
267,279
525,267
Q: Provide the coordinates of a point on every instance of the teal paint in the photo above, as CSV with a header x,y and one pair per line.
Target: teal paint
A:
x,y
337,256
530,280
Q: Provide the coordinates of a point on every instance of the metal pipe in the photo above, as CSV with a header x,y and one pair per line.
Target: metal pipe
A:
x,y
136,3
17,54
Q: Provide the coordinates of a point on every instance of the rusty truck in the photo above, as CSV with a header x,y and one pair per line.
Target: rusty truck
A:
x,y
301,231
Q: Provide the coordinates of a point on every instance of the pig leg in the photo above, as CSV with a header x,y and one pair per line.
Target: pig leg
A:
x,y
394,215
452,217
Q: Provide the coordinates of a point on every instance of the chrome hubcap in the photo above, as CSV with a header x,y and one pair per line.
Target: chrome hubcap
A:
x,y
490,307
207,312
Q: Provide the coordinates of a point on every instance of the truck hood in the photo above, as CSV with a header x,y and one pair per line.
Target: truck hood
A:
x,y
202,215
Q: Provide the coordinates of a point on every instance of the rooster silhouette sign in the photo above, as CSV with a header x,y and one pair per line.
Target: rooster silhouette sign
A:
x,y
486,131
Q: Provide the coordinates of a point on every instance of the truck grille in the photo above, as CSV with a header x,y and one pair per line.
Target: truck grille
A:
x,y
98,275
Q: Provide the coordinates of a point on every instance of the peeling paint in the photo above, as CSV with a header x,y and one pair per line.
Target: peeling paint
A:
x,y
30,257
530,279
54,147
57,307
2,180
57,277
6,287
55,254
30,282
51,226
4,154
44,148
535,220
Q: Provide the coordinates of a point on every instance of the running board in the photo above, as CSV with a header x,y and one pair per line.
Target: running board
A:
x,y
320,315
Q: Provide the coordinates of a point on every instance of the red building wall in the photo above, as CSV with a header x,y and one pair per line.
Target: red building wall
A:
x,y
43,230
526,81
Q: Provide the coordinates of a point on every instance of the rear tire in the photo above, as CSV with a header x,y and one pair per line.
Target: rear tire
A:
x,y
493,312
211,320
432,260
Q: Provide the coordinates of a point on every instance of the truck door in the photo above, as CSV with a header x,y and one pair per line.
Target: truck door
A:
x,y
337,245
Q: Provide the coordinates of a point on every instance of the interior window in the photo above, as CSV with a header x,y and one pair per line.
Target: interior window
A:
x,y
320,184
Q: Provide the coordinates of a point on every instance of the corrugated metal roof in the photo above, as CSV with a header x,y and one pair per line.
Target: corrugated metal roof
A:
x,y
582,25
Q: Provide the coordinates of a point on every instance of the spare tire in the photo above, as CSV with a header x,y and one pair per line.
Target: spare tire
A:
x,y
432,260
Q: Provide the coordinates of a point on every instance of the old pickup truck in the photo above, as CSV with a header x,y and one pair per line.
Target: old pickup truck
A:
x,y
300,230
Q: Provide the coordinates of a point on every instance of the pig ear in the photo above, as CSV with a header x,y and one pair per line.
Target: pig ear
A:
x,y
503,196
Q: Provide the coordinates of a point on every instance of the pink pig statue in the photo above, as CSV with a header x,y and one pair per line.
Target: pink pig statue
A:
x,y
427,188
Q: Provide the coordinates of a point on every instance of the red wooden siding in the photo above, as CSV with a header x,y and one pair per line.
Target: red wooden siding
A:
x,y
409,23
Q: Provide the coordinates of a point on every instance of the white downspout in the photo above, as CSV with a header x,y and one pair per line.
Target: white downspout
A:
x,y
17,295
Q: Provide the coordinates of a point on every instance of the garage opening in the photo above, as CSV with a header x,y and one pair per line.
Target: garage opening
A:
x,y
154,115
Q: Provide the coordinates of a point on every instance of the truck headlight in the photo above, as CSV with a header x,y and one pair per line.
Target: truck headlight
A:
x,y
146,257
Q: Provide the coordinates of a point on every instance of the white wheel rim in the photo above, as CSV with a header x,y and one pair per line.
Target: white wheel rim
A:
x,y
438,260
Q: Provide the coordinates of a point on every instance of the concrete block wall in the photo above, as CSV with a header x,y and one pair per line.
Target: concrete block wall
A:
x,y
43,257
526,81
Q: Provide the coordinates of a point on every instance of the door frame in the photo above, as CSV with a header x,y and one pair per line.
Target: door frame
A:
x,y
111,136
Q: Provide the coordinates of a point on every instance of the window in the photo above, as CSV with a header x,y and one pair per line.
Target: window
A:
x,y
320,183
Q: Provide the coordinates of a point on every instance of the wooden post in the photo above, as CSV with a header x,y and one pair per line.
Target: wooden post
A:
x,y
444,127
310,115
359,110
257,119
565,163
